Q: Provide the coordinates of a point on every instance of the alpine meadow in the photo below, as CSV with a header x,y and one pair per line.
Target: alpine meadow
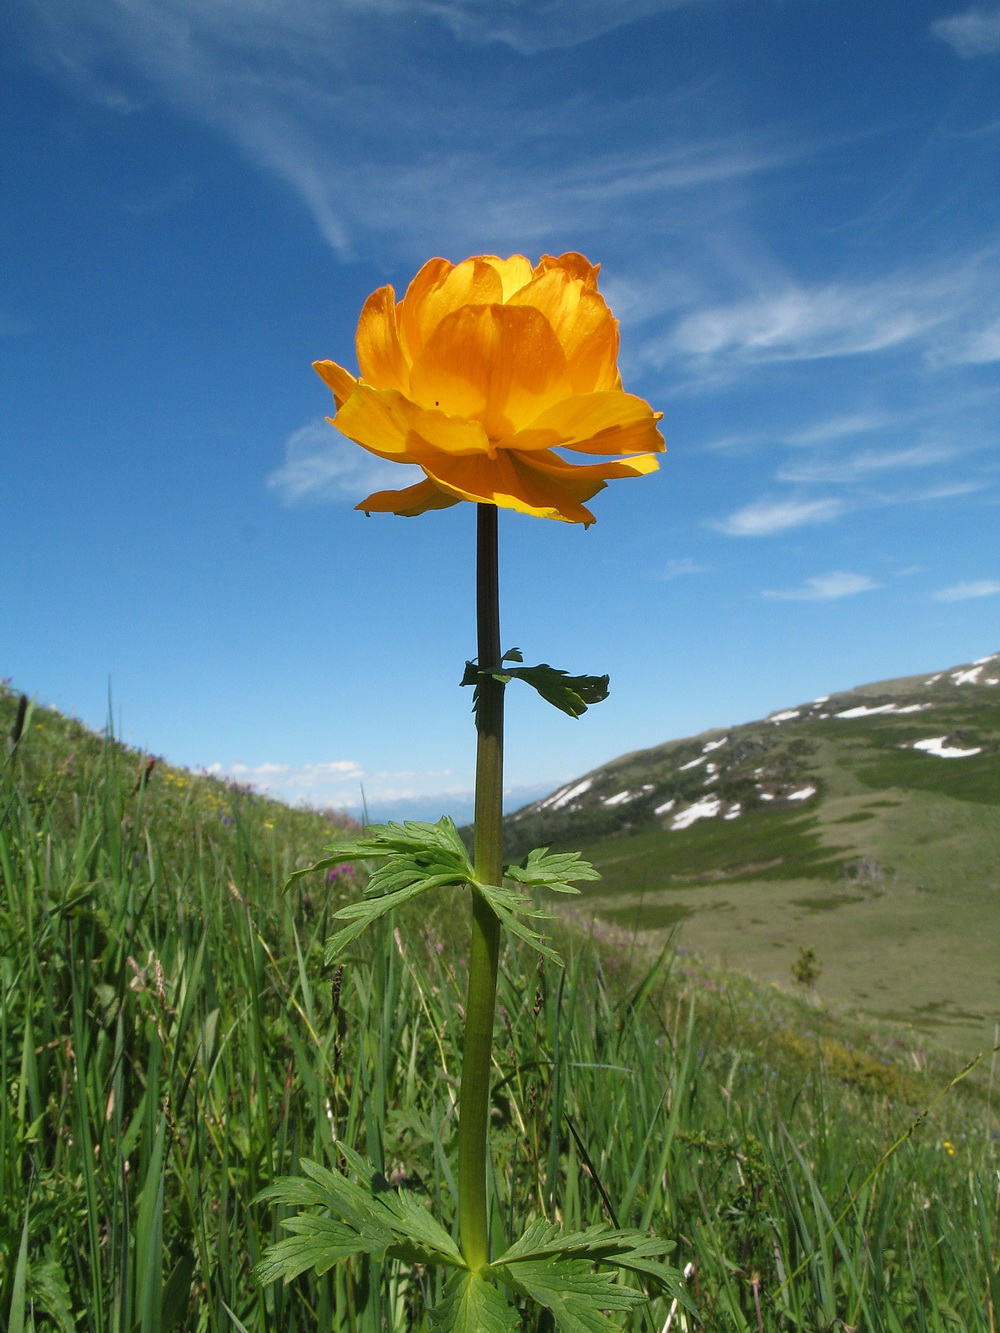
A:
x,y
172,1041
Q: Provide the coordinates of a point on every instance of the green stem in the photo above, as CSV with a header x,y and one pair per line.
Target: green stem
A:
x,y
474,1097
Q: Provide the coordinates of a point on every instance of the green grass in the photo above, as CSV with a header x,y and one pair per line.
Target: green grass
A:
x,y
170,1041
974,779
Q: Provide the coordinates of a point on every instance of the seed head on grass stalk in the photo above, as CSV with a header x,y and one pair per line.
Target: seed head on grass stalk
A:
x,y
478,376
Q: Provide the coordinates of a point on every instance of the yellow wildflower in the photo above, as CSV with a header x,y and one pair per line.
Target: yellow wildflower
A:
x,y
480,373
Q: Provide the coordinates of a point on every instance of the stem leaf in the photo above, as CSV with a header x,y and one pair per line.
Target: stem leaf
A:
x,y
573,1293
570,694
555,871
472,1304
428,844
411,858
370,1217
556,1269
634,1250
508,904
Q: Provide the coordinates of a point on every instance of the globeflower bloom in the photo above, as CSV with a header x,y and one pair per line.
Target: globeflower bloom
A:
x,y
480,373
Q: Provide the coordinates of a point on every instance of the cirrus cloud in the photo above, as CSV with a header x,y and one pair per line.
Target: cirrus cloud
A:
x,y
825,587
974,33
961,592
764,517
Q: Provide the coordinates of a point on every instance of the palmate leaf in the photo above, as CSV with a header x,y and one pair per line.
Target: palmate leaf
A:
x,y
556,1269
415,857
508,904
570,694
369,1217
425,843
318,1243
555,871
323,1188
473,1304
408,1217
573,1293
362,914
633,1250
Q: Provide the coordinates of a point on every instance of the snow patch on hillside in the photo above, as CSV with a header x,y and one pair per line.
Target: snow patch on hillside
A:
x,y
936,745
623,797
969,677
786,716
620,799
566,794
865,711
707,808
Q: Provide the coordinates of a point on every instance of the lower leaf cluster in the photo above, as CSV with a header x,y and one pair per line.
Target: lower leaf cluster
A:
x,y
575,1276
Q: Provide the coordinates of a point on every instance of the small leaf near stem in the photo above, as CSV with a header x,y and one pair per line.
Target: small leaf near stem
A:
x,y
570,694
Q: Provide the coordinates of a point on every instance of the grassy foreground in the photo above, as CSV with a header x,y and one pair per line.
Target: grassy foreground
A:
x,y
170,1042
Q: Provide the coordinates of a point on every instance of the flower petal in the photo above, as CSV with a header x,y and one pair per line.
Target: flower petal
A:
x,y
409,502
578,477
390,425
515,272
586,329
340,381
497,364
380,353
576,265
437,290
612,422
508,482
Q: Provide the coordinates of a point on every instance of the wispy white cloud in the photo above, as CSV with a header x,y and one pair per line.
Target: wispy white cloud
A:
x,y
863,465
840,427
974,33
331,97
802,324
947,314
321,465
677,568
947,491
825,587
546,23
764,517
961,592
978,348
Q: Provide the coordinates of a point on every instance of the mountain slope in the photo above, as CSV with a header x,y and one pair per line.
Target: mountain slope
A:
x,y
865,824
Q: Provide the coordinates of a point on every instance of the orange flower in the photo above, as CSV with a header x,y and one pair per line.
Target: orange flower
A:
x,y
479,373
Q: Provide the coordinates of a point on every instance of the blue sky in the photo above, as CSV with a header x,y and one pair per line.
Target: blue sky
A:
x,y
795,205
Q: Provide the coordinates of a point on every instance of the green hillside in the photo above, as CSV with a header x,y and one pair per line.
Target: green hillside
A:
x,y
865,825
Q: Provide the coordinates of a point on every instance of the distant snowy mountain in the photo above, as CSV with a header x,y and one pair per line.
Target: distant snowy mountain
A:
x,y
864,826
783,761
